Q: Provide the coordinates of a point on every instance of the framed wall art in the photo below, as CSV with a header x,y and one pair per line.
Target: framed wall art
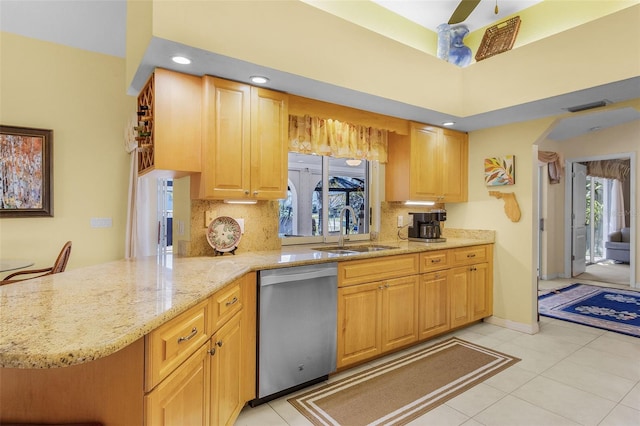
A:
x,y
500,170
26,175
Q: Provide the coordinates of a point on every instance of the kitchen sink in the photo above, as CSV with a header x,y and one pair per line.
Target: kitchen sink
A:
x,y
354,249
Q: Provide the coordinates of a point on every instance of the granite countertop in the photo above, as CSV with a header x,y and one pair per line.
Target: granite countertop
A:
x,y
91,312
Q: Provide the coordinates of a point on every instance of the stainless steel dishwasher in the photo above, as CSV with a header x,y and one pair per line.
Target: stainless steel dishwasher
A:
x,y
297,328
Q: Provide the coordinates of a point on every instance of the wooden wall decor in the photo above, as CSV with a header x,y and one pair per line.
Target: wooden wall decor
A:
x,y
511,207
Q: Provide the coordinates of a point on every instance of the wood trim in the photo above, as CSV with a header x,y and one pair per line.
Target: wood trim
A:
x,y
108,390
305,106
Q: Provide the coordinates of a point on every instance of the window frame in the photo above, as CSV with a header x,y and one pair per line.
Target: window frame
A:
x,y
374,183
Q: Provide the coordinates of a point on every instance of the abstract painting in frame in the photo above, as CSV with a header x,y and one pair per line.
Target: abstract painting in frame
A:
x,y
26,179
500,170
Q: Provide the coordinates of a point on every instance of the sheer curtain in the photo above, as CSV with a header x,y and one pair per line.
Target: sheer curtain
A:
x,y
131,147
616,214
141,230
616,171
314,135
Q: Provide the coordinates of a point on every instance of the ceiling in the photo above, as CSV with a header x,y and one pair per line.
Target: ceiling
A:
x,y
431,13
99,25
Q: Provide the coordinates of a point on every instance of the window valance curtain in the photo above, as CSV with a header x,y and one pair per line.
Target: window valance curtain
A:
x,y
555,161
609,169
324,136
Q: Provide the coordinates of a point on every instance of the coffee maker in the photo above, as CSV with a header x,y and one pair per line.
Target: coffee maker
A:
x,y
426,226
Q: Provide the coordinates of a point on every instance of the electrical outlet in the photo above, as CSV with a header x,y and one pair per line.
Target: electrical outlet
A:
x,y
209,215
241,223
400,222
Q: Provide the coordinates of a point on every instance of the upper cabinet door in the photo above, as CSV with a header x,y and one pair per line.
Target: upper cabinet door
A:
x,y
425,162
429,164
226,139
454,166
269,134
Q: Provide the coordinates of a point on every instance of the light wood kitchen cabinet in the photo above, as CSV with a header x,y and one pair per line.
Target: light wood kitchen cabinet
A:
x,y
244,144
471,284
433,306
169,125
359,323
218,378
226,369
430,164
183,398
399,312
172,343
377,307
375,318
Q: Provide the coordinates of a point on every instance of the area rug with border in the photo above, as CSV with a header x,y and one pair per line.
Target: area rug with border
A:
x,y
399,391
601,307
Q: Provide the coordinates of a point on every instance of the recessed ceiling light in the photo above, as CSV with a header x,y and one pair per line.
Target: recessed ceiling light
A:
x,y
181,60
448,123
258,79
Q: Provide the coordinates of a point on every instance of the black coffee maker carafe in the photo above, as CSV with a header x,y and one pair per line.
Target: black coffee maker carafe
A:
x,y
426,227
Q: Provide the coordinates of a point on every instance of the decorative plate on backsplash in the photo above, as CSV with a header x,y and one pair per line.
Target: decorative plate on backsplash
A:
x,y
224,233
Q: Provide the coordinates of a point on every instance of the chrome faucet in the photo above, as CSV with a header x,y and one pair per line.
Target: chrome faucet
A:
x,y
342,238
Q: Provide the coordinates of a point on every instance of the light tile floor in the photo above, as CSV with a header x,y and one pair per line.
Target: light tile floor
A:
x,y
569,375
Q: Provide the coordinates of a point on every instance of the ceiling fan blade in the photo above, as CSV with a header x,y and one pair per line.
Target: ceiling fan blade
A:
x,y
463,11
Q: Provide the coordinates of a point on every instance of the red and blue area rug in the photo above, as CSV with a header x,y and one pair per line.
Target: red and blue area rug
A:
x,y
606,308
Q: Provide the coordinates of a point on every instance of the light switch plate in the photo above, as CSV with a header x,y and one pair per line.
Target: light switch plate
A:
x,y
101,222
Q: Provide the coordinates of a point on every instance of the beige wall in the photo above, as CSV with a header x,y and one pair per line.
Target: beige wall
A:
x,y
80,96
513,252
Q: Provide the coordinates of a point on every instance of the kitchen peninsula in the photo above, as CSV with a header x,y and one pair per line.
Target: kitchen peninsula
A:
x,y
98,326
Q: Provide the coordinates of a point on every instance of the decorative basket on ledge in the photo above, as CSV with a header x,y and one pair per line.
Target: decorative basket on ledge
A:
x,y
498,38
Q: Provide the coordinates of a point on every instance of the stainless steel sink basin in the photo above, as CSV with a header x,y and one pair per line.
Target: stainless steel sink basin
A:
x,y
354,249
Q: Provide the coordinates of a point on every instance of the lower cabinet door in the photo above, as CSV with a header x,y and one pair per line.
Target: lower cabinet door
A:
x,y
183,397
226,369
482,291
460,293
399,312
433,304
358,323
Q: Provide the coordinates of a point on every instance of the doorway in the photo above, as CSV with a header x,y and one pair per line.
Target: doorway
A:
x,y
165,216
600,206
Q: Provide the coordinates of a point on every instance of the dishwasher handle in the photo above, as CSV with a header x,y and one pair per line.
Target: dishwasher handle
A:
x,y
271,279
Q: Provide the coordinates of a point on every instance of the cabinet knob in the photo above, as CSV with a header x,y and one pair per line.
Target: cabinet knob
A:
x,y
255,192
246,192
219,343
212,351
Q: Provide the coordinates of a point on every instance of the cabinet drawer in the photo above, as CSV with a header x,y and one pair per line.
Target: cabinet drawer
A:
x,y
434,260
469,255
224,304
381,268
173,342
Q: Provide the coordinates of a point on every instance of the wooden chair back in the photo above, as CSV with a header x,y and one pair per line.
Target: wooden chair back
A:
x,y
59,266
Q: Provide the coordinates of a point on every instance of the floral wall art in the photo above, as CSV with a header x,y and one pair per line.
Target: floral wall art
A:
x,y
25,172
500,171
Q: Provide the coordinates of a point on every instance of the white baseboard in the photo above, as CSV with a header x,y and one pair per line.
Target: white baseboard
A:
x,y
512,325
